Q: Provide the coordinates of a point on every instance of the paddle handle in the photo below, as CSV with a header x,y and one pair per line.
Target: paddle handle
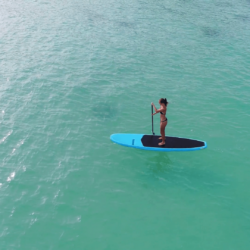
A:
x,y
152,119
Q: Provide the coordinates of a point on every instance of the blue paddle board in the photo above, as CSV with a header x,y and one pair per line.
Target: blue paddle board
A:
x,y
150,142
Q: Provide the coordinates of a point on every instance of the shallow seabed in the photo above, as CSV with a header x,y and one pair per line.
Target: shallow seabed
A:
x,y
74,72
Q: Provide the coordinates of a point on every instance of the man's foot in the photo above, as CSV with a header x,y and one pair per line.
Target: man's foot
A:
x,y
161,143
160,138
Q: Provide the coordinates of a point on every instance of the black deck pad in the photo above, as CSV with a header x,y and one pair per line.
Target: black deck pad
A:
x,y
170,142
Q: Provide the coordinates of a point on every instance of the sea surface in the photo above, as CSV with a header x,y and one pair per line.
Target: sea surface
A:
x,y
73,72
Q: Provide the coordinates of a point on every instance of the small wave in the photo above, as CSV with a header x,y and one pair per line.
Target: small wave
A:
x,y
5,137
11,176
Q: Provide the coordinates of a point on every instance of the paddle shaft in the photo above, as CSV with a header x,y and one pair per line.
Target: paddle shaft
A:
x,y
152,119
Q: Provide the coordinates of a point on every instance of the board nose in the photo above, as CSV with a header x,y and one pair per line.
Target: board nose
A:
x,y
115,137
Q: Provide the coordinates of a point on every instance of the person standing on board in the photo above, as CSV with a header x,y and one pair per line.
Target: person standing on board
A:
x,y
164,120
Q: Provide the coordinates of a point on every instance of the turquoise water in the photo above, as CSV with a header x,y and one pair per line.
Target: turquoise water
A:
x,y
74,72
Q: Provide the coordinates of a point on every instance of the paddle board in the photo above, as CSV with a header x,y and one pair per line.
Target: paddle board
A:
x,y
150,142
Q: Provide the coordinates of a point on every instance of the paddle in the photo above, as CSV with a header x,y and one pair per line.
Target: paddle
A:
x,y
152,119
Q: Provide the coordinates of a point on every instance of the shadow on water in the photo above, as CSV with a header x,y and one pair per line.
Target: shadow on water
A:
x,y
105,110
169,10
210,32
159,163
242,17
97,18
224,4
126,24
165,170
